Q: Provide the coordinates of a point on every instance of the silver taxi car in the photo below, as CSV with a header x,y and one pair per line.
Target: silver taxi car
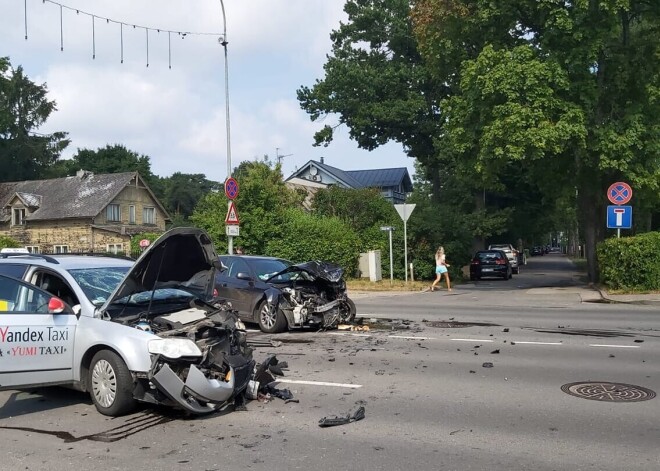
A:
x,y
124,331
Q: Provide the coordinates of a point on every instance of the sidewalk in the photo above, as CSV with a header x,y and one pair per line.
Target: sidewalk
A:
x,y
646,299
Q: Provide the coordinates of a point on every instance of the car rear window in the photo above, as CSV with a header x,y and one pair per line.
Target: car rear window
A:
x,y
489,255
13,270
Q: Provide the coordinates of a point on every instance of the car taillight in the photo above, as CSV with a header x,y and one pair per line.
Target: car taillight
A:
x,y
215,292
500,261
475,262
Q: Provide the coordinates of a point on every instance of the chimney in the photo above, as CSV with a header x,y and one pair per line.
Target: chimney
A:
x,y
83,174
321,159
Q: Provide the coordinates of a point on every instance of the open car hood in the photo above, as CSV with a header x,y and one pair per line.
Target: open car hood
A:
x,y
317,269
181,259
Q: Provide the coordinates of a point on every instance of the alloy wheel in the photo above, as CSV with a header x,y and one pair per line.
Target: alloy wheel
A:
x,y
268,316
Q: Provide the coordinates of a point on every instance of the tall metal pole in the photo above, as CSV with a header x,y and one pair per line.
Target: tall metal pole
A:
x,y
405,243
224,42
391,260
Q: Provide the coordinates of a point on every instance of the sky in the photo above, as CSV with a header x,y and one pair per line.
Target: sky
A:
x,y
177,115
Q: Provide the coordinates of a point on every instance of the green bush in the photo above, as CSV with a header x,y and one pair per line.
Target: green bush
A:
x,y
8,242
631,263
316,238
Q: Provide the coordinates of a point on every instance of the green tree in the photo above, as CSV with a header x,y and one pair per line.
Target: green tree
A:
x,y
260,204
24,107
182,192
569,90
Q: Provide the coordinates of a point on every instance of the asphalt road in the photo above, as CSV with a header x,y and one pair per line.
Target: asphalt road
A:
x,y
430,399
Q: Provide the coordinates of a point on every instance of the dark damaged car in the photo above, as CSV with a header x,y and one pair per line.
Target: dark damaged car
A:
x,y
155,339
279,295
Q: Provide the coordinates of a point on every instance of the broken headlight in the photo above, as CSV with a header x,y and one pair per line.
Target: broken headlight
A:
x,y
174,348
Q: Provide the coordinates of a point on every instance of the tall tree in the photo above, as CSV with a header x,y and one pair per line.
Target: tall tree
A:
x,y
568,90
24,107
184,190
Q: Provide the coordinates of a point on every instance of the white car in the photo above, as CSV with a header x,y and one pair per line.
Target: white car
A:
x,y
511,254
124,331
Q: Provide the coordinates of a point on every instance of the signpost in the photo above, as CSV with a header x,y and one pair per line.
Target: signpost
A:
x,y
231,228
390,229
405,210
619,216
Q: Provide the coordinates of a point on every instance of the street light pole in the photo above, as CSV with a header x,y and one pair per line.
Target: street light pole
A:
x,y
224,42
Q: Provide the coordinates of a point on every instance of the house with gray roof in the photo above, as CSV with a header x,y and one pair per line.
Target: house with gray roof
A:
x,y
394,183
82,213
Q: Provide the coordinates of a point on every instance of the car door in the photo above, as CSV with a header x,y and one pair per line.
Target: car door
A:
x,y
230,287
37,332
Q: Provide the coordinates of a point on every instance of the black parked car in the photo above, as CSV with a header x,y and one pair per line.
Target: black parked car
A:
x,y
277,294
538,250
490,263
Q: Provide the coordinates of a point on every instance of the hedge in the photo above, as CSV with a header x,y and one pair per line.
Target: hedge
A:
x,y
8,242
631,263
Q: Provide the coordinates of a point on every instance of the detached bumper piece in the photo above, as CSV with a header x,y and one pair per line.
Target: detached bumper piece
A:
x,y
333,421
198,394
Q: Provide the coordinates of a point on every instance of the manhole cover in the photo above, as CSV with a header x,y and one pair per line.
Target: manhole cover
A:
x,y
608,392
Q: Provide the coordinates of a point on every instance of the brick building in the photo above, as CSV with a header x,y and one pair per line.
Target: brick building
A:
x,y
83,213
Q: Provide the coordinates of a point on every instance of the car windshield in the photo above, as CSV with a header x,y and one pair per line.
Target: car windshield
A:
x,y
266,268
98,283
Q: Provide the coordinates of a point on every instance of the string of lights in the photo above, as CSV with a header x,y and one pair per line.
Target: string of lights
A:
x,y
94,18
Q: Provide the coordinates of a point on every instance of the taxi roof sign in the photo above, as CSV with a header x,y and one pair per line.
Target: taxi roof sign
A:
x,y
15,250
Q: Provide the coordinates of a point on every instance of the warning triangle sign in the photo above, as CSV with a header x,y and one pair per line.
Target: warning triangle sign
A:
x,y
232,214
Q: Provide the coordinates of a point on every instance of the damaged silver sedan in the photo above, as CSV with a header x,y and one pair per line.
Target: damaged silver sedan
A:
x,y
156,339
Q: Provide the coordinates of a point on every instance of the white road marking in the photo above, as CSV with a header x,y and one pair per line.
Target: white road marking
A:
x,y
613,346
351,334
538,343
472,340
318,383
410,337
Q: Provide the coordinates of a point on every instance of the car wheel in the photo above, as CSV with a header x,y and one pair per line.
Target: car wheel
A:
x,y
350,311
271,321
110,384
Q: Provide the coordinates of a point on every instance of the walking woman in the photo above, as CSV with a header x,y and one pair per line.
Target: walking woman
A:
x,y
440,269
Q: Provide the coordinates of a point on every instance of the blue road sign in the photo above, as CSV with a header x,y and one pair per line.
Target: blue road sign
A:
x,y
619,217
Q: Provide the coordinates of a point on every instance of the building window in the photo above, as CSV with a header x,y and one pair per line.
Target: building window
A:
x,y
18,217
115,248
61,249
113,213
131,214
32,248
149,216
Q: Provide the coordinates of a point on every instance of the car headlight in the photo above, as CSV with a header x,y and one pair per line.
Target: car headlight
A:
x,y
174,348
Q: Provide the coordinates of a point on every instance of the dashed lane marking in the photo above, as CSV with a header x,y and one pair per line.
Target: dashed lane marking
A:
x,y
318,383
410,337
472,340
613,346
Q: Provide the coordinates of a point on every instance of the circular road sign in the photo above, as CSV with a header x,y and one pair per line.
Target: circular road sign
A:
x,y
144,243
231,188
619,193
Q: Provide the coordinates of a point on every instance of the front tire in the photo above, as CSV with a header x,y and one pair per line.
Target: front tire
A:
x,y
271,321
352,311
110,384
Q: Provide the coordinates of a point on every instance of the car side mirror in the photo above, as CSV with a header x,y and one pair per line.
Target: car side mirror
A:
x,y
244,276
56,306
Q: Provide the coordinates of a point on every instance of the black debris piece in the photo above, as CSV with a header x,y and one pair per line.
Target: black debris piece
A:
x,y
638,341
284,394
476,353
487,365
505,330
513,343
297,401
264,343
331,359
611,356
472,371
495,352
333,421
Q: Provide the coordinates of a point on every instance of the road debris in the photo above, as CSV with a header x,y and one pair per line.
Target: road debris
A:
x,y
495,352
487,365
333,421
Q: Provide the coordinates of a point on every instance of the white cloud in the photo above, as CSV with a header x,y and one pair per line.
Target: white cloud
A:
x,y
177,116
